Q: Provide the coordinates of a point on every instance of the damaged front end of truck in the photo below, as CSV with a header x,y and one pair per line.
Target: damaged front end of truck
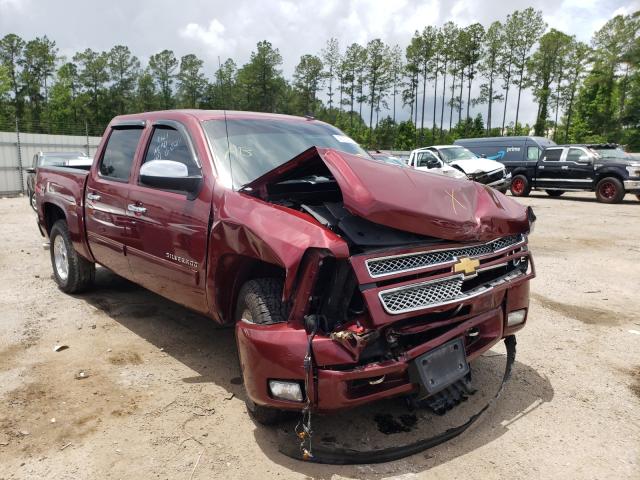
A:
x,y
385,269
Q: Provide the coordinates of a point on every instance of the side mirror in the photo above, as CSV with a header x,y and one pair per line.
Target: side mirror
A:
x,y
170,175
30,170
482,155
584,159
433,163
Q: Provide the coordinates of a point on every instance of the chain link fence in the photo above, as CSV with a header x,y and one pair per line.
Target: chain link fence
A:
x,y
20,143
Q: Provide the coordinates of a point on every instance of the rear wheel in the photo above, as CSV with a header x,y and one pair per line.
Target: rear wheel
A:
x,y
554,193
32,201
520,186
260,302
609,190
72,273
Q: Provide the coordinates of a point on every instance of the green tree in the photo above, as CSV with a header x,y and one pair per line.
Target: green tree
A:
x,y
412,72
191,81
425,44
577,62
163,67
352,66
93,75
512,33
11,51
473,51
124,69
531,25
543,70
146,98
223,92
378,73
397,70
307,80
490,67
449,33
37,63
331,60
63,104
260,80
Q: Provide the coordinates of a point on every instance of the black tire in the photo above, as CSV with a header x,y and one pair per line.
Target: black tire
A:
x,y
610,190
80,272
638,196
32,201
262,300
554,193
520,186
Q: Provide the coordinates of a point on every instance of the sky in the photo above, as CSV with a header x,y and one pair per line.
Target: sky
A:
x,y
214,28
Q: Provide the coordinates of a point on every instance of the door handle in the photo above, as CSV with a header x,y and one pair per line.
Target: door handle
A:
x,y
93,196
564,167
541,167
136,208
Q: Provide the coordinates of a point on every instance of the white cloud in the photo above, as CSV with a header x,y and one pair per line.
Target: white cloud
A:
x,y
212,37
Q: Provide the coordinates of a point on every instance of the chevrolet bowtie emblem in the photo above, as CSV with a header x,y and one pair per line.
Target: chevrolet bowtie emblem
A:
x,y
466,265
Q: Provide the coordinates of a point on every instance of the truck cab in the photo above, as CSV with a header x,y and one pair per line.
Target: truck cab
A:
x,y
602,168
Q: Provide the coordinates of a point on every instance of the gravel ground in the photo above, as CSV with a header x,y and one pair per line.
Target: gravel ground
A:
x,y
160,395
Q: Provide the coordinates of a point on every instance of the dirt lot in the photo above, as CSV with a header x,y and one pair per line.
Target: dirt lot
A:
x,y
161,397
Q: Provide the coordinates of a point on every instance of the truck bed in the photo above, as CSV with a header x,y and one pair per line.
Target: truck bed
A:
x,y
61,190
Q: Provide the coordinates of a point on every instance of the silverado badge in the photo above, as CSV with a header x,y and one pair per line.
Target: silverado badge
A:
x,y
466,265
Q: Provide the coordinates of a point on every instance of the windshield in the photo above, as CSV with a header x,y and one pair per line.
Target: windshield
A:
x,y
451,154
612,153
257,146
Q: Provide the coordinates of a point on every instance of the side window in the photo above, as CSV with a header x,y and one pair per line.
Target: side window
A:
x,y
169,144
424,158
574,155
552,155
533,153
119,153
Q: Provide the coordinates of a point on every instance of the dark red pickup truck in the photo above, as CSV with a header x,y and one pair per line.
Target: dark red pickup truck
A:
x,y
337,270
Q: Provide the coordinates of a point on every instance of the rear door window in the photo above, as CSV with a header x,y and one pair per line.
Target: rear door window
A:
x,y
533,153
119,153
552,155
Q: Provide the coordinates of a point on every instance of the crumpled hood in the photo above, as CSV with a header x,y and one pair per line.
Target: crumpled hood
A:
x,y
408,199
478,165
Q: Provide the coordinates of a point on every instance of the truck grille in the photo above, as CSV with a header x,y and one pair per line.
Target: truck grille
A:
x,y
438,292
380,267
421,295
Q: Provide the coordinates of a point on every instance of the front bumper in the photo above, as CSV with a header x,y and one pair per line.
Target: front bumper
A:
x,y
277,352
632,186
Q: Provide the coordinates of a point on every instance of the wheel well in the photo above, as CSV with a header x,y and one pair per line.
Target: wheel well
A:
x,y
606,175
232,272
522,172
52,213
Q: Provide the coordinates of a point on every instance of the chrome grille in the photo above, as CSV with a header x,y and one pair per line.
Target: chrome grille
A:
x,y
437,292
379,267
421,295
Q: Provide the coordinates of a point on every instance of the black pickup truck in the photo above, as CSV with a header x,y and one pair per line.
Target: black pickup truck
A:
x,y
601,168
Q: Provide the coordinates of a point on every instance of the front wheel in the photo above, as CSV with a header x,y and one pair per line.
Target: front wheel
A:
x,y
554,193
72,273
520,186
260,302
609,190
